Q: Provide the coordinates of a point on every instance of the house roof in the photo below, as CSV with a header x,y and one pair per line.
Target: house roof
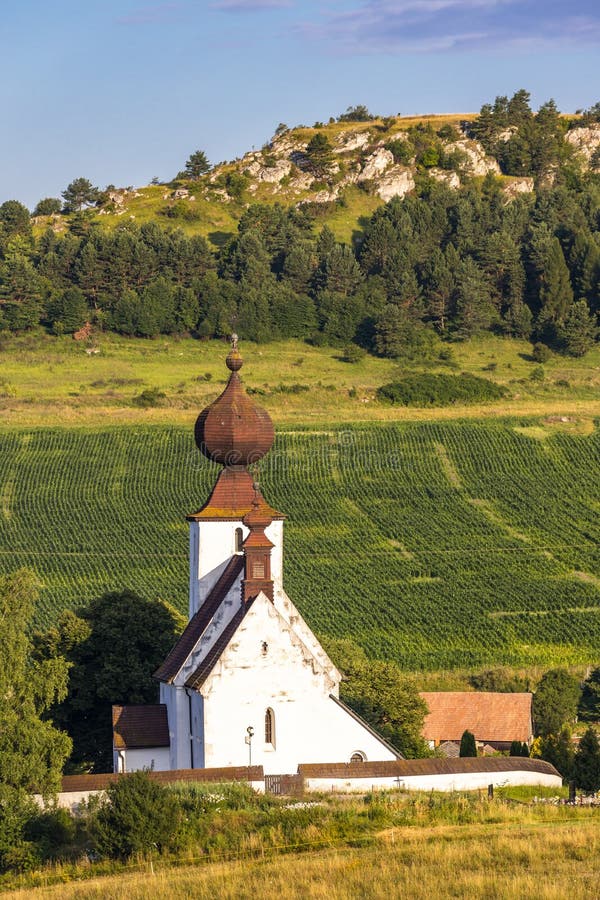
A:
x,y
489,716
140,726
401,768
199,622
366,725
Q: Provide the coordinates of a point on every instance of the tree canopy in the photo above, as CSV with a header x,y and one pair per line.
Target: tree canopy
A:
x,y
383,695
32,750
114,645
555,701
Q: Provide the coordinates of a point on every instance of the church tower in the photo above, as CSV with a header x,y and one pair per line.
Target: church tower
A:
x,y
236,433
247,678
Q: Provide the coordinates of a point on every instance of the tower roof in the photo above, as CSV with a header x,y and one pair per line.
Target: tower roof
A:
x,y
234,430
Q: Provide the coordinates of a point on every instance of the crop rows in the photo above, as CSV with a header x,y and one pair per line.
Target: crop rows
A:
x,y
437,545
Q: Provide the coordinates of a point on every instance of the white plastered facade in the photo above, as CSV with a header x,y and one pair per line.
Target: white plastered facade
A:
x,y
272,665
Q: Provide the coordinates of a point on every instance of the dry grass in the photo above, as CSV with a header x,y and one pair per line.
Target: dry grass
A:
x,y
546,861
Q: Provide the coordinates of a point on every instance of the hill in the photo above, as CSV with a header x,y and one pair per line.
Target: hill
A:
x,y
369,163
436,544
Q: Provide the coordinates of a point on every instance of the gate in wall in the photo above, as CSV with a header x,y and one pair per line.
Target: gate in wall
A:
x,y
284,785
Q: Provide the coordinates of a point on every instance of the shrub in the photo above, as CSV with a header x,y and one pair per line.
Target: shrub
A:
x,y
52,830
468,747
440,390
541,353
150,397
402,151
353,353
537,374
138,816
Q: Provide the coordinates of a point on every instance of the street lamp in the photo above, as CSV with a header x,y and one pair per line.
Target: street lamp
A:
x,y
248,739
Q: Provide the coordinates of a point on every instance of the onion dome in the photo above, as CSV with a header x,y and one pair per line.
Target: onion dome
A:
x,y
233,430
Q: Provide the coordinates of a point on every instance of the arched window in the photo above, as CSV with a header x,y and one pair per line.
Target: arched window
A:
x,y
239,540
358,757
270,727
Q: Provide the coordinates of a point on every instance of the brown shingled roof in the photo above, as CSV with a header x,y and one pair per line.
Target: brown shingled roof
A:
x,y
76,783
400,768
200,621
140,726
489,716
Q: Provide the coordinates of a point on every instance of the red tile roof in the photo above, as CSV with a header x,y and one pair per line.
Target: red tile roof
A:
x,y
199,622
140,726
491,717
232,497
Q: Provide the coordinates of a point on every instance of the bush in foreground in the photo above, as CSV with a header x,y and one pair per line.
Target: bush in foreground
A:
x,y
138,816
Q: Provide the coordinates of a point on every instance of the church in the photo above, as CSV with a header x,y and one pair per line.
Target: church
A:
x,y
247,683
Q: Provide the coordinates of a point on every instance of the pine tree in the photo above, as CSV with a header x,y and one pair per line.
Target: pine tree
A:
x,y
196,165
468,747
579,331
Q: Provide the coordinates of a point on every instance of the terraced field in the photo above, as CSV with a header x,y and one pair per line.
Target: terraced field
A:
x,y
436,544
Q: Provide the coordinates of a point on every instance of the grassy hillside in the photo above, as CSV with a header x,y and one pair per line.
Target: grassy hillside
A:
x,y
213,214
437,544
47,380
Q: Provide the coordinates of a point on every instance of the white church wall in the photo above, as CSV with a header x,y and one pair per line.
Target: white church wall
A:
x,y
290,613
177,702
286,678
467,781
212,544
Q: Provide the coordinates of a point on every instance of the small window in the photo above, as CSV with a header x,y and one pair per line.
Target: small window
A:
x,y
239,540
357,757
270,727
258,570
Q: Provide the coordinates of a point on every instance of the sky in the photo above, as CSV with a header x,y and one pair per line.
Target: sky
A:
x,y
120,92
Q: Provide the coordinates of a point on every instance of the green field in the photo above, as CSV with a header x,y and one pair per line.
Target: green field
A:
x,y
438,544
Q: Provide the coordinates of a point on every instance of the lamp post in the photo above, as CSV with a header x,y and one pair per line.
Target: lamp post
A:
x,y
248,739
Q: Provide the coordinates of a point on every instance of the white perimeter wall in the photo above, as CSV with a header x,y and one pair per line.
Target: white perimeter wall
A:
x,y
468,781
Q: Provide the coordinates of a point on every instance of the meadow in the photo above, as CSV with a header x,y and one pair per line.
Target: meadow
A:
x,y
394,846
48,380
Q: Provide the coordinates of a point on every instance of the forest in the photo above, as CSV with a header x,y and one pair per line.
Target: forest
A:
x,y
446,260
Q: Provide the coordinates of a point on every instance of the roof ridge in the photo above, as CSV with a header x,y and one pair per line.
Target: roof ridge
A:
x,y
199,622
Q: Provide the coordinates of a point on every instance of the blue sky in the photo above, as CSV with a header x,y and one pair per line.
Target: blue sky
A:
x,y
121,91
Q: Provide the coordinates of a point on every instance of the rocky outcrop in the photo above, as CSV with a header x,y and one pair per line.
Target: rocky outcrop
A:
x,y
584,141
271,174
376,164
517,186
397,182
355,140
446,177
476,160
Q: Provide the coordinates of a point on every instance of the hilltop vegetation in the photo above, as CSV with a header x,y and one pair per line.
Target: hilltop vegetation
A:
x,y
443,244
